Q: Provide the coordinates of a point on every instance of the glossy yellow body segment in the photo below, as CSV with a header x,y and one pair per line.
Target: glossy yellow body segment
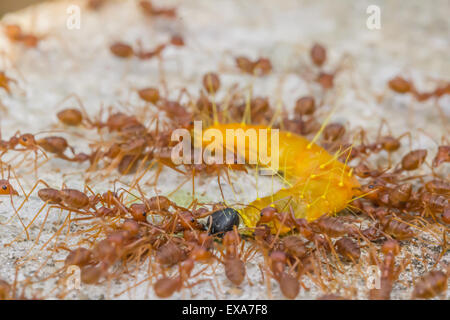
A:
x,y
317,183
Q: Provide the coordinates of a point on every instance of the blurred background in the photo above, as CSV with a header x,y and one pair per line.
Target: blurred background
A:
x,y
13,5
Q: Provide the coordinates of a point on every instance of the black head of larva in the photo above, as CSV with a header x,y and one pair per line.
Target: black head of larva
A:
x,y
222,221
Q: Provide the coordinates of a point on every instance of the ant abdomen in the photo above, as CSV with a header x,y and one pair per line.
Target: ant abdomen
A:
x,y
235,270
50,195
74,198
165,287
70,117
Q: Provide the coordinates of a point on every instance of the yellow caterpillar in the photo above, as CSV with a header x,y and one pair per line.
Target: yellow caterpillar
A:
x,y
317,182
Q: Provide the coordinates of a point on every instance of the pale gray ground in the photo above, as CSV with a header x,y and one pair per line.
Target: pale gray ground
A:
x,y
413,41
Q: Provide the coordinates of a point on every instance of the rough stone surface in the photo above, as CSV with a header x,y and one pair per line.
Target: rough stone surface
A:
x,y
413,41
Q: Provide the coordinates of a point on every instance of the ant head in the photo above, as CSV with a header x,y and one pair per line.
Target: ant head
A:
x,y
372,190
27,140
138,211
187,220
362,171
231,238
391,246
7,188
443,155
267,214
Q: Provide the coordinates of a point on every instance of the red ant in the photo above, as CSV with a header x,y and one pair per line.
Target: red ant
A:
x,y
442,155
75,117
403,86
305,106
95,4
177,40
170,254
15,34
388,271
66,199
348,249
57,146
331,226
260,67
123,50
233,263
95,263
318,54
413,160
149,9
166,286
295,246
5,81
7,189
28,143
289,285
430,285
438,186
149,95
388,142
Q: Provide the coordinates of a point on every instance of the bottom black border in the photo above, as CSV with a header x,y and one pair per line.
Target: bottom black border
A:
x,y
223,309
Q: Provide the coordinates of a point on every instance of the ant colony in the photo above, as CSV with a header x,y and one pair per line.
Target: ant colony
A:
x,y
166,166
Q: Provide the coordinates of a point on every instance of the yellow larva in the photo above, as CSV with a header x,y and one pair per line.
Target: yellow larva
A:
x,y
317,182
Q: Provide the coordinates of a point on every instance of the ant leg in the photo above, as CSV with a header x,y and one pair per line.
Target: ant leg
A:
x,y
18,165
37,239
139,169
333,251
138,179
232,186
178,187
31,191
16,213
29,224
193,183
406,134
35,163
162,76
220,187
86,187
45,219
384,122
